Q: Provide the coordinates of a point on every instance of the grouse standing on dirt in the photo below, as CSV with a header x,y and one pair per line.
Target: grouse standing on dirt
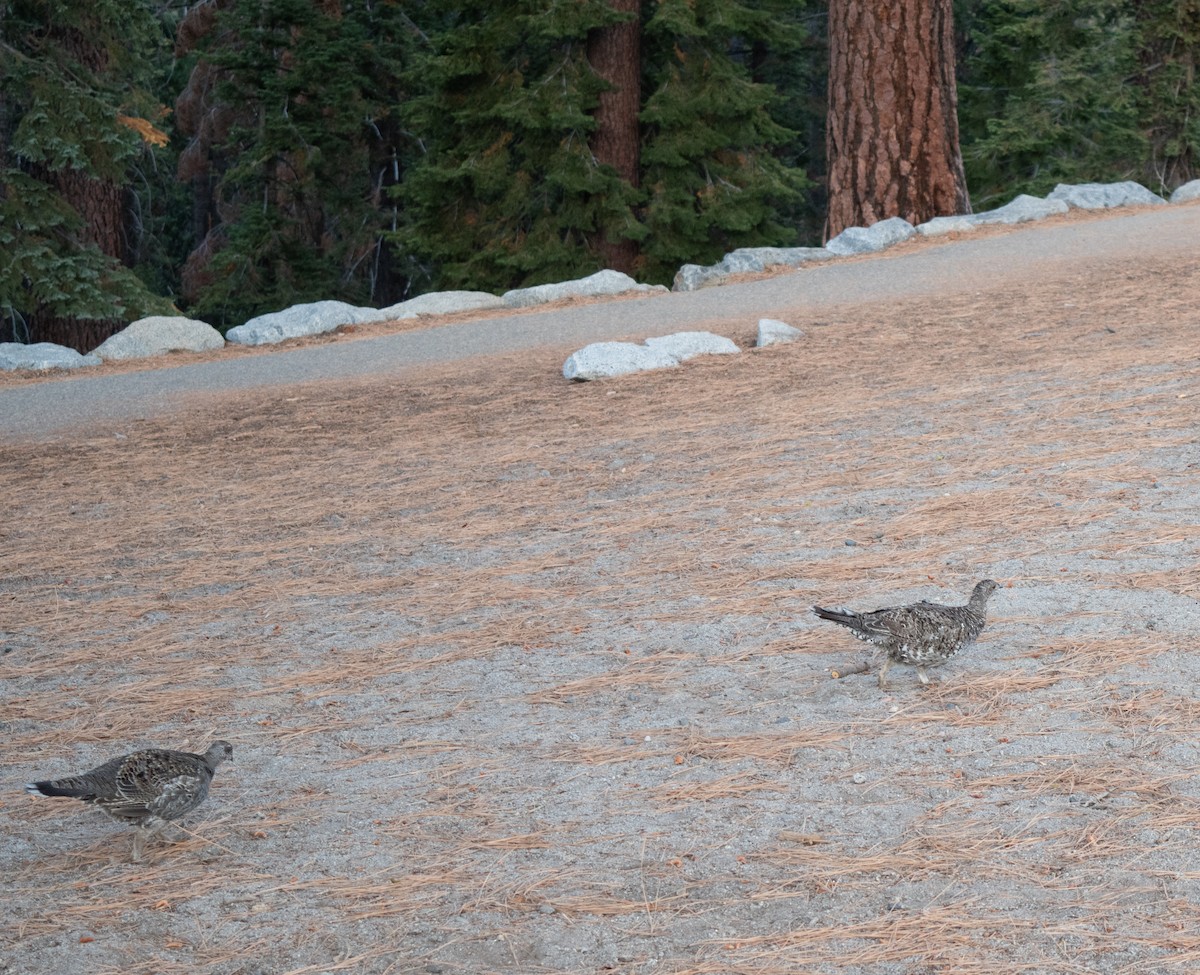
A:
x,y
923,634
147,788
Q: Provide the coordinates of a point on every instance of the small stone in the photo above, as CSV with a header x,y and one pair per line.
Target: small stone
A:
x,y
298,321
771,331
1099,196
1021,209
441,303
159,334
868,240
605,282
603,360
546,909
1186,192
42,355
687,345
859,778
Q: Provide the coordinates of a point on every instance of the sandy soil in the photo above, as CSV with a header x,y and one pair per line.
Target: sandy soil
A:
x,y
521,675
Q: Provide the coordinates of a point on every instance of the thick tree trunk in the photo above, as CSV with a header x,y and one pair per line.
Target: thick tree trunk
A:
x,y
892,130
102,205
614,53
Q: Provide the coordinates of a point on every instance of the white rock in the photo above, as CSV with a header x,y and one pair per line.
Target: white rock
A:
x,y
771,331
601,360
1020,209
158,334
438,303
956,224
691,277
1023,208
867,240
1188,191
785,256
744,261
1099,196
298,321
43,355
687,345
600,283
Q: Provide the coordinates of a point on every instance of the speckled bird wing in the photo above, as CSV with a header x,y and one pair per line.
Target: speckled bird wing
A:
x,y
181,794
928,629
885,626
157,783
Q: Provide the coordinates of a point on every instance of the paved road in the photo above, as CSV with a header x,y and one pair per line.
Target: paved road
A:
x,y
47,409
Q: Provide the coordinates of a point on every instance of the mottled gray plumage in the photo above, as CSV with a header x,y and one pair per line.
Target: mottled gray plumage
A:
x,y
923,634
147,788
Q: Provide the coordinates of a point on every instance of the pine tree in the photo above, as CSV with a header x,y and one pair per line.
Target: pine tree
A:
x,y
74,116
794,62
1048,97
710,169
292,110
1168,96
509,192
614,53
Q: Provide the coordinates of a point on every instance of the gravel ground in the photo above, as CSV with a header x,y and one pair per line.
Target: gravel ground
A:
x,y
521,675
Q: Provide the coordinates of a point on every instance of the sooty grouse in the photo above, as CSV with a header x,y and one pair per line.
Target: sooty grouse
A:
x,y
923,634
146,788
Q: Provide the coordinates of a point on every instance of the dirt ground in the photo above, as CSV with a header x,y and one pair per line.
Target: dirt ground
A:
x,y
521,675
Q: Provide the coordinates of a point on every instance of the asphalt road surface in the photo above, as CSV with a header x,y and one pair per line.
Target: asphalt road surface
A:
x,y
96,402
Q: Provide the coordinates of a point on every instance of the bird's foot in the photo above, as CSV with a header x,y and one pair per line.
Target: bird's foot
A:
x,y
883,674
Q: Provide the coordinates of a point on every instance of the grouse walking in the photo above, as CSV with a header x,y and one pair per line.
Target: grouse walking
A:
x,y
146,788
923,634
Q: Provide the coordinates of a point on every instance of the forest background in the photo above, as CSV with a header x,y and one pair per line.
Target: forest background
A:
x,y
233,157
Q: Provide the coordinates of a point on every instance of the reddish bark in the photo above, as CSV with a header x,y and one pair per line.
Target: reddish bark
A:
x,y
101,203
892,130
614,53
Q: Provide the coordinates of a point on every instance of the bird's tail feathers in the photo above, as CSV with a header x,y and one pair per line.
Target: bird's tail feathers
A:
x,y
60,787
837,616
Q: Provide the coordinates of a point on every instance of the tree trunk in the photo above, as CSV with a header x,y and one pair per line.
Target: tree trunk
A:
x,y
102,205
892,130
614,53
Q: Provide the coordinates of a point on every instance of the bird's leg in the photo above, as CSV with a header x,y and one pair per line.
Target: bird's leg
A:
x,y
146,832
887,662
922,676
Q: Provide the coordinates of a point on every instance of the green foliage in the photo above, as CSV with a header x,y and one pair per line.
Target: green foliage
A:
x,y
45,265
1048,98
794,62
313,90
70,72
508,192
712,178
1168,97
364,151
